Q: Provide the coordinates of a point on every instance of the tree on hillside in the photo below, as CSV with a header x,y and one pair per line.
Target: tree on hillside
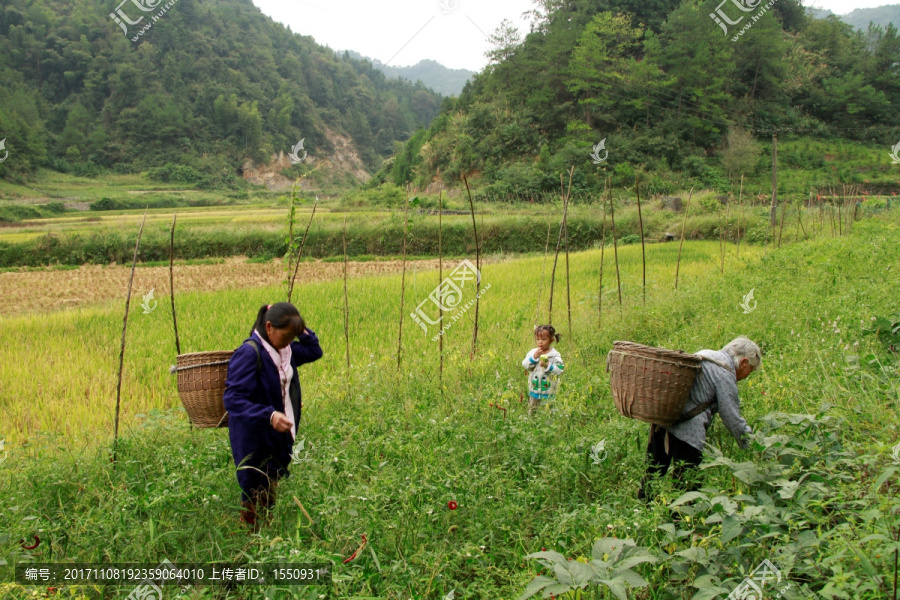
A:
x,y
700,96
759,59
603,63
741,153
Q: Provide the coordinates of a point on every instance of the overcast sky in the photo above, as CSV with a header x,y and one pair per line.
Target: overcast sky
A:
x,y
403,32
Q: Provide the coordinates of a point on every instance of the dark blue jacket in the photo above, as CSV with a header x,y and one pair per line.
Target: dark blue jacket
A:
x,y
251,397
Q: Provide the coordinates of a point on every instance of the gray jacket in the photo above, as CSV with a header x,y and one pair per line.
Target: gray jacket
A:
x,y
713,382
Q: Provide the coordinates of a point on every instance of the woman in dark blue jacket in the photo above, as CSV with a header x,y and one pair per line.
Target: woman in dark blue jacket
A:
x,y
263,400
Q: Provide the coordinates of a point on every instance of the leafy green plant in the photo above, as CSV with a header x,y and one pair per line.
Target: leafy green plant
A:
x,y
611,565
887,329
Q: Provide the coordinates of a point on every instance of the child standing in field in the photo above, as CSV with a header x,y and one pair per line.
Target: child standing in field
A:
x,y
544,365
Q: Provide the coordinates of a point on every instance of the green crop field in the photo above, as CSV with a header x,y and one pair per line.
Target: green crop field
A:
x,y
385,450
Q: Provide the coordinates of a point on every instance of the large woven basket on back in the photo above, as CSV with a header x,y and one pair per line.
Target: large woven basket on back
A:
x,y
201,386
651,384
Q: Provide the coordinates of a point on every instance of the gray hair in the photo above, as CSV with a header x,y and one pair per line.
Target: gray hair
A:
x,y
742,347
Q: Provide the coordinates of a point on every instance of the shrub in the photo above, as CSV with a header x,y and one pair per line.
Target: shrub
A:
x,y
761,235
176,174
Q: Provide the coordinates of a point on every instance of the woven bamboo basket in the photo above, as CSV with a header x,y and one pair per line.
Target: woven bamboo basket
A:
x,y
651,384
201,386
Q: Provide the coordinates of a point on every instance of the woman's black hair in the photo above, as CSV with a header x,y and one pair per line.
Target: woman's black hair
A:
x,y
282,315
549,329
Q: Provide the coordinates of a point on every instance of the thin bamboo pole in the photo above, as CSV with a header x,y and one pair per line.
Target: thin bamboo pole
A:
x,y
172,283
740,210
781,227
537,311
566,225
841,212
403,281
637,189
440,282
555,261
681,245
300,251
137,247
602,253
612,215
477,266
346,303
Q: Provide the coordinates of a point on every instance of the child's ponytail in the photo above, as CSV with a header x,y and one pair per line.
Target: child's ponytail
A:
x,y
551,331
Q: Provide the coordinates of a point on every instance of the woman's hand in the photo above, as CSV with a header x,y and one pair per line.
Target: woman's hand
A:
x,y
280,422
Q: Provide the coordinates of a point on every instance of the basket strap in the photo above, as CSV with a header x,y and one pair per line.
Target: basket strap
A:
x,y
253,343
694,412
715,362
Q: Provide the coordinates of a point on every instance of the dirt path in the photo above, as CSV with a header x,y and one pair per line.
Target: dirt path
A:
x,y
45,291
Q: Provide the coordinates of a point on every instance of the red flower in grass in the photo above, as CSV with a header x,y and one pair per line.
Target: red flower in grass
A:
x,y
452,505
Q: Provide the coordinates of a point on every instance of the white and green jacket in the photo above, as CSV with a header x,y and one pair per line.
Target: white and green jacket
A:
x,y
543,381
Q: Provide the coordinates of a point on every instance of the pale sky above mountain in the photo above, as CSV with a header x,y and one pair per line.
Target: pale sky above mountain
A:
x,y
403,32
842,7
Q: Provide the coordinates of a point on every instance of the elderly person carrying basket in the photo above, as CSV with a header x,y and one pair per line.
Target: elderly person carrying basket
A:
x,y
714,391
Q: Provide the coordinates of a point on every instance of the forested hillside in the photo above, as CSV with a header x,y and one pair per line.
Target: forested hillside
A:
x,y
209,85
667,91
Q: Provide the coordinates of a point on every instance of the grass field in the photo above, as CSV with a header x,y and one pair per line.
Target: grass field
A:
x,y
386,450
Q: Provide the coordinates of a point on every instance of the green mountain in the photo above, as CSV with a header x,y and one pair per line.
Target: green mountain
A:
x,y
861,17
207,87
443,80
664,89
882,16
